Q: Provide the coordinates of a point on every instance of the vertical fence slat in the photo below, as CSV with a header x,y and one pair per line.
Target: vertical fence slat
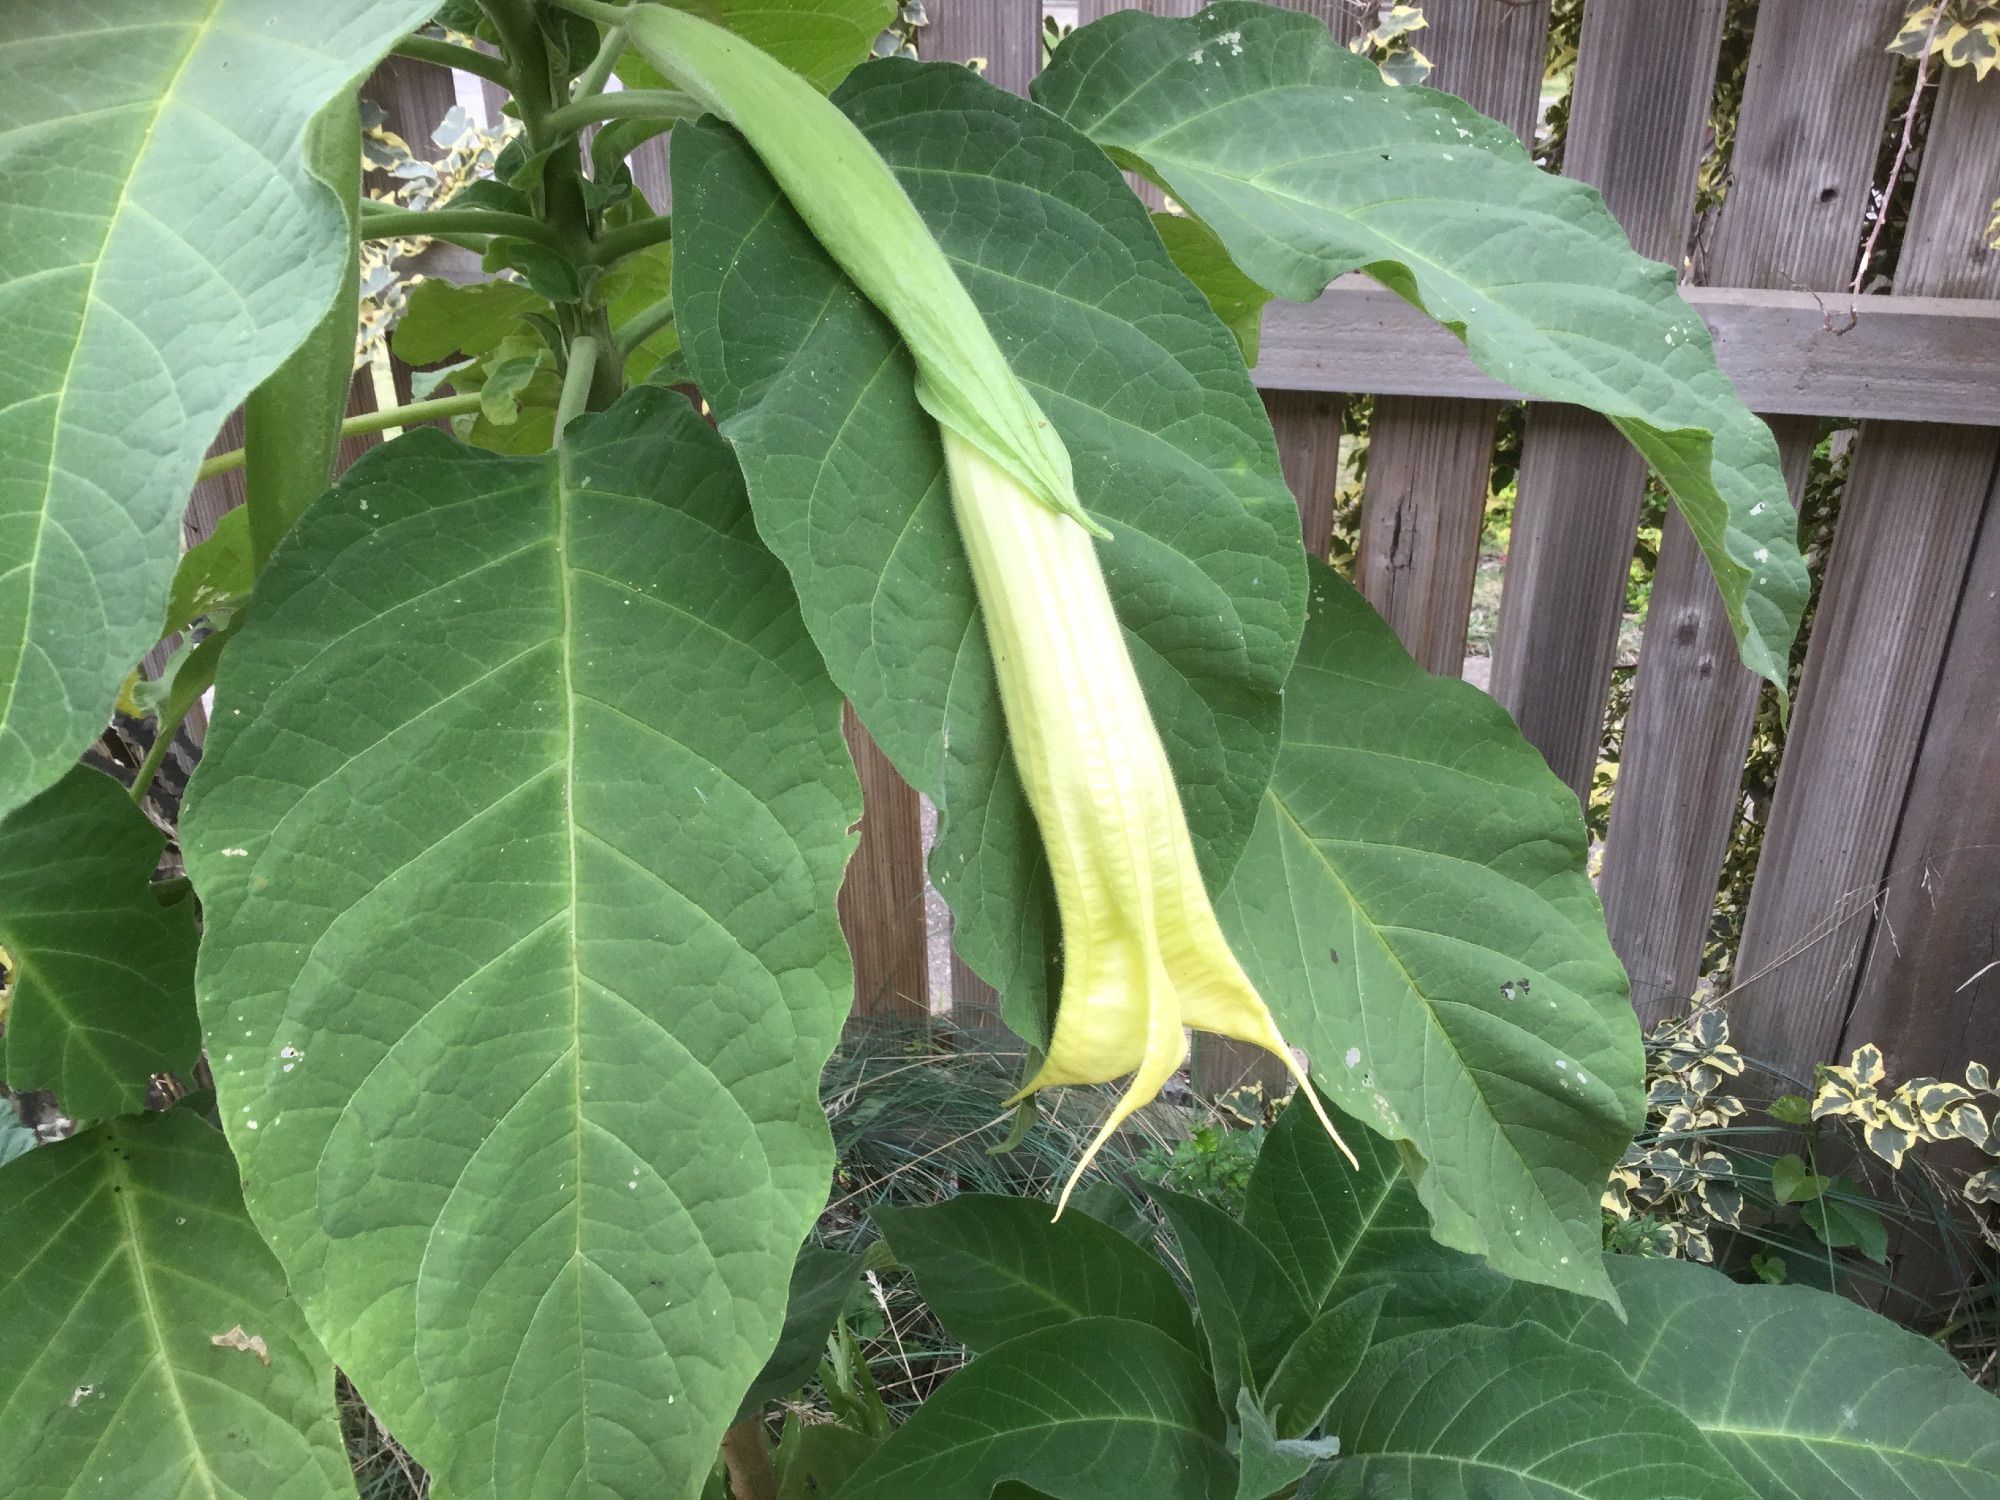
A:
x,y
1308,429
1644,80
1912,508
882,898
1814,101
1930,990
1430,460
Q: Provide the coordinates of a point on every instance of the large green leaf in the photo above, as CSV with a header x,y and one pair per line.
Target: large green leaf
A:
x,y
993,1268
822,39
1171,448
1805,1393
166,247
1077,1411
1510,1414
102,974
1307,165
1339,1231
518,836
1415,909
151,1350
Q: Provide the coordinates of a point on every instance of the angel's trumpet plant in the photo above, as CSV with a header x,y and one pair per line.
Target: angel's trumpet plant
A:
x,y
1144,957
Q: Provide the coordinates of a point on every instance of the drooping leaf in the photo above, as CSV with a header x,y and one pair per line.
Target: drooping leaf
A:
x,y
137,139
521,958
1307,164
1250,1311
993,1268
1415,909
1515,1413
1339,1231
152,1350
102,974
821,1280
822,39
1238,301
1805,1393
1076,1411
1169,442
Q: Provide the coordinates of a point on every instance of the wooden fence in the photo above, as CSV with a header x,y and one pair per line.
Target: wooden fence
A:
x,y
1876,910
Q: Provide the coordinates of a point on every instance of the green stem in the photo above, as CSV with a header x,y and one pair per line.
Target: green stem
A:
x,y
449,55
626,104
591,80
577,381
432,223
367,421
616,244
643,325
156,756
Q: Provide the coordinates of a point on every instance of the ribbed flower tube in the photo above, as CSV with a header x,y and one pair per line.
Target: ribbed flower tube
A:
x,y
1143,955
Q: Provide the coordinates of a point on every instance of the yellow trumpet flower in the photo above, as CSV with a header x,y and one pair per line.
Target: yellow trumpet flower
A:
x,y
1144,957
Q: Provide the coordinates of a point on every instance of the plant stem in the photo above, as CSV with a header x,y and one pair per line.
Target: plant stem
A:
x,y
747,1456
432,223
156,754
616,244
591,79
449,55
543,89
642,326
577,381
626,104
355,426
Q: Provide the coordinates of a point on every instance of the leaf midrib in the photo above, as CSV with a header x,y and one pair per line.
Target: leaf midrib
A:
x,y
561,497
1431,1020
124,1192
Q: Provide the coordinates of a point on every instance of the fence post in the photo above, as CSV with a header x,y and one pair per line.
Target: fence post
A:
x,y
1643,85
1814,101
1912,511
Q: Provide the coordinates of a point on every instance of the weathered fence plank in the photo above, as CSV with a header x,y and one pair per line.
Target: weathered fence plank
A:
x,y
1308,429
1930,989
1429,461
1912,508
882,898
1813,107
1902,359
1643,81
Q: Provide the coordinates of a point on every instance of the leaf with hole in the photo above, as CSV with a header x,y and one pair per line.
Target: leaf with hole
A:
x,y
132,1337
1477,1011
101,973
